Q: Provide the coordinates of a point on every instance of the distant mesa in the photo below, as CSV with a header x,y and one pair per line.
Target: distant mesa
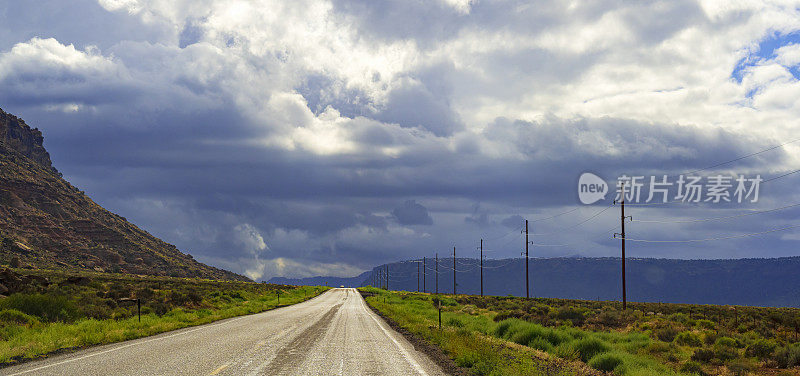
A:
x,y
45,222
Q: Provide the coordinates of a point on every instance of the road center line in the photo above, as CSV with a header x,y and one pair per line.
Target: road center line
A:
x,y
220,369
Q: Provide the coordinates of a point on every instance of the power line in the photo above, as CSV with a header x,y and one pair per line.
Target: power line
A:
x,y
557,215
499,266
778,177
744,156
571,243
716,218
710,239
515,229
577,224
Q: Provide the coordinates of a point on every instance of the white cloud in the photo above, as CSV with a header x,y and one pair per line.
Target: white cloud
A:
x,y
252,241
407,99
48,56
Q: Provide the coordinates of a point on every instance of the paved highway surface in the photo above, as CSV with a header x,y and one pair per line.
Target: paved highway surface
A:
x,y
332,334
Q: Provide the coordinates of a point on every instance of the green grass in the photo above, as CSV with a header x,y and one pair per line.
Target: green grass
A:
x,y
37,323
472,338
467,338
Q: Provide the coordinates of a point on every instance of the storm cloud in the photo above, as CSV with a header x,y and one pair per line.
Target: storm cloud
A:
x,y
324,137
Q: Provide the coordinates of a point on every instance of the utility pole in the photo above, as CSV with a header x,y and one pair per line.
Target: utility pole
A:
x,y
424,266
527,283
387,276
622,237
417,275
481,267
454,270
436,267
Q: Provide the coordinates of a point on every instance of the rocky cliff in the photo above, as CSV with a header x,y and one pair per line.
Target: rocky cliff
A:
x,y
45,222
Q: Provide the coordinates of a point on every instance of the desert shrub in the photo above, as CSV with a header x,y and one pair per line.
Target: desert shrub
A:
x,y
725,348
688,339
692,367
46,307
725,341
575,316
237,295
516,314
679,317
502,328
16,317
589,347
97,311
703,355
160,308
556,337
525,336
666,334
657,347
740,367
705,324
606,362
454,322
611,318
787,356
763,348
541,344
566,351
467,359
709,337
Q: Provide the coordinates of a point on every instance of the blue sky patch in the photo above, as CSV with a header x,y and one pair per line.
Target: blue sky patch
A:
x,y
765,51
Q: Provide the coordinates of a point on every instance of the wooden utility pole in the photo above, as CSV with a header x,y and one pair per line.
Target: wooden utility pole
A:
x,y
527,283
481,267
436,273
424,265
417,275
454,270
387,276
622,237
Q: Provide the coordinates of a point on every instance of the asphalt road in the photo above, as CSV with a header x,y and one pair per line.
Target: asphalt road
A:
x,y
332,334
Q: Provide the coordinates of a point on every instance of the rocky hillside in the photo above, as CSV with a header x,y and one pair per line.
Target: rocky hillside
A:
x,y
47,223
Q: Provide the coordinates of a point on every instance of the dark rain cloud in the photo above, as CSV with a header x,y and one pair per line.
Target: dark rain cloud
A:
x,y
412,213
175,153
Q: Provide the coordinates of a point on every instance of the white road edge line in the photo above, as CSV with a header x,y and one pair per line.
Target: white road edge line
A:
x,y
125,346
406,355
205,326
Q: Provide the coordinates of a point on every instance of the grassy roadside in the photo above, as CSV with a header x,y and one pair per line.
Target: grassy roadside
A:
x,y
650,339
75,312
467,338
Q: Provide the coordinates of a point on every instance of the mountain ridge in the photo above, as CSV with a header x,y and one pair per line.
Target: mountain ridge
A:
x,y
45,222
748,281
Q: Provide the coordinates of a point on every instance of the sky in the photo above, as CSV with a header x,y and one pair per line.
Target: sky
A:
x,y
302,138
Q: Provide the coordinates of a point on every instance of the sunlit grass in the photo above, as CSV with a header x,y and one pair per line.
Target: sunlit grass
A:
x,y
470,337
29,337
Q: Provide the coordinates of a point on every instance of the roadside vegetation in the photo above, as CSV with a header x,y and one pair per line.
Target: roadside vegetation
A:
x,y
59,310
467,337
645,339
